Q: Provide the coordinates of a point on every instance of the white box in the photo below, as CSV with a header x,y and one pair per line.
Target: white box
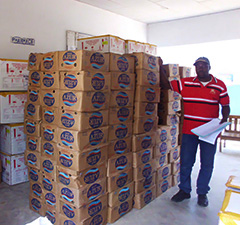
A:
x,y
12,106
13,139
105,43
150,49
13,75
133,46
14,169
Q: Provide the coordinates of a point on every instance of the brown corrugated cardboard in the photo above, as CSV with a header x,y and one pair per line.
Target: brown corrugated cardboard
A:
x,y
184,71
145,183
121,98
142,157
76,60
121,63
169,96
49,150
49,61
80,121
50,115
161,149
163,172
120,114
33,95
49,167
174,78
120,146
119,179
176,166
164,185
36,190
145,109
34,61
85,81
169,107
51,200
32,159
34,175
33,111
165,133
49,98
119,131
161,161
49,80
147,94
51,214
34,79
121,195
173,154
143,141
172,70
147,78
49,132
144,124
49,183
145,197
122,81
172,119
32,127
36,205
144,170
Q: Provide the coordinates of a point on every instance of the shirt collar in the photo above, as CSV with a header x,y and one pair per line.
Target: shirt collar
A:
x,y
213,79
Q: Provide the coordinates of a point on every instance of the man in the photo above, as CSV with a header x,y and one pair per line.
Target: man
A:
x,y
201,98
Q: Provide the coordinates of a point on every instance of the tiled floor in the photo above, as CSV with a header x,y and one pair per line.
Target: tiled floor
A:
x,y
14,209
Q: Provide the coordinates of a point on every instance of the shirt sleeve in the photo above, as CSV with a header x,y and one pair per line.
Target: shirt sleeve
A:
x,y
175,85
224,97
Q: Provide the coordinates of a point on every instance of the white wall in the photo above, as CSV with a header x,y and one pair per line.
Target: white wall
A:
x,y
48,20
208,28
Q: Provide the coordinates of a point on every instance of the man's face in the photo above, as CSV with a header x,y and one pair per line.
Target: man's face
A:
x,y
202,69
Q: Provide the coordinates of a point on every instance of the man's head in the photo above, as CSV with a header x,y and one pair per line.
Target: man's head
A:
x,y
202,66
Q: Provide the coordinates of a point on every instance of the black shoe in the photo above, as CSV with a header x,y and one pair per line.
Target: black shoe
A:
x,y
180,196
202,200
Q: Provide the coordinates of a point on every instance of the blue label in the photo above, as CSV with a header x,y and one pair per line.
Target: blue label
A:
x,y
48,99
149,109
67,138
69,99
69,58
94,207
124,194
97,60
122,64
147,182
94,191
147,170
93,157
122,98
67,120
121,162
96,137
69,222
50,217
152,62
123,208
30,127
37,190
124,80
122,180
67,194
173,141
163,135
175,106
35,77
121,131
31,109
70,81
162,160
97,220
120,146
48,63
148,197
123,114
165,172
33,175
48,148
146,142
47,185
48,80
49,116
146,156
175,154
48,166
163,148
48,135
98,100
64,178
32,159
50,199
164,186
96,120
33,96
65,160
98,81
173,120
152,78
175,69
36,204
173,131
32,59
148,125
32,144
150,94
68,211
91,176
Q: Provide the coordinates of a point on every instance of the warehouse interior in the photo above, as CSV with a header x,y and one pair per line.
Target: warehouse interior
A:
x,y
182,30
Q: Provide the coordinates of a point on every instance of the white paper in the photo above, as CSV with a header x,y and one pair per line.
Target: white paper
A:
x,y
210,138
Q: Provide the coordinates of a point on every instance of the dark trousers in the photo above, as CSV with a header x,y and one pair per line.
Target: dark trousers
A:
x,y
188,158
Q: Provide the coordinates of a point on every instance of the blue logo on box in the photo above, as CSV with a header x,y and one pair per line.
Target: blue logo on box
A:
x,y
69,58
122,99
94,191
35,76
96,137
97,60
91,175
70,81
122,64
120,146
48,80
67,120
123,114
98,81
96,120
98,100
124,80
69,99
48,99
93,157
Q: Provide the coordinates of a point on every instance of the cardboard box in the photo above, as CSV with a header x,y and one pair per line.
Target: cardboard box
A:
x,y
50,115
174,154
34,175
146,61
147,94
174,78
79,161
32,159
150,49
36,189
172,70
121,98
145,197
145,109
36,205
121,63
117,163
164,185
176,166
48,167
81,121
121,146
120,114
169,96
34,79
172,119
142,157
121,195
162,148
76,60
49,132
175,179
144,170
144,124
14,170
143,141
166,132
33,95
85,81
50,199
161,161
33,111
12,107
49,183
119,179
84,101
49,61
13,139
13,75
49,98
145,77
51,214
49,80
122,81
169,107
163,172
119,131
114,213
184,71
104,43
134,46
33,143
174,141
145,183
34,61
49,150
82,141
32,127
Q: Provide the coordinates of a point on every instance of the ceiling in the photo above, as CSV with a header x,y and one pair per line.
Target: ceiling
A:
x,y
150,11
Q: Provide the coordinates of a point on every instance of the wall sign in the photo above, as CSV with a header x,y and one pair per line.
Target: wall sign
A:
x,y
23,40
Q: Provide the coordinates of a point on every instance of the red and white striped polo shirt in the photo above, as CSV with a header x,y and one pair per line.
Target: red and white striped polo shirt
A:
x,y
201,103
